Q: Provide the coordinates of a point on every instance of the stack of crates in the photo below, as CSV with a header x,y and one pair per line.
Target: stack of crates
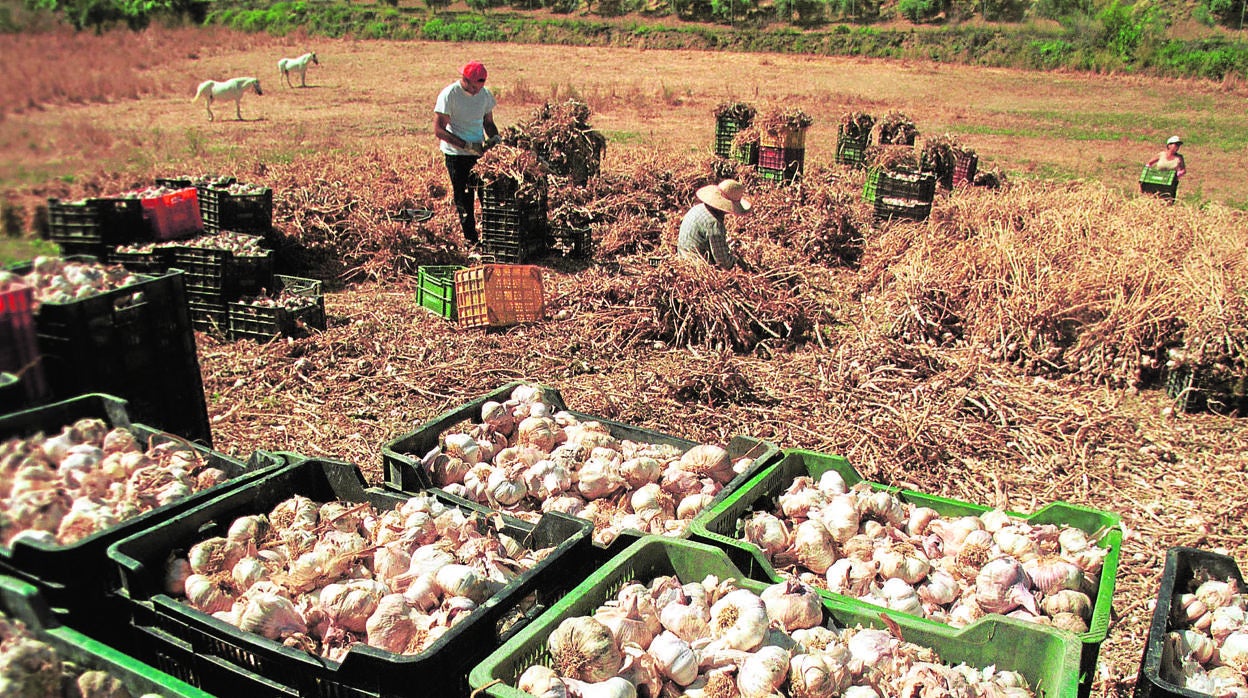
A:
x,y
782,156
92,226
172,215
513,229
574,242
136,342
292,307
1159,183
217,277
499,295
904,196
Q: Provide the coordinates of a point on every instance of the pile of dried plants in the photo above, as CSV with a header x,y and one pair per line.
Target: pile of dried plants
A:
x,y
739,113
856,125
897,129
562,138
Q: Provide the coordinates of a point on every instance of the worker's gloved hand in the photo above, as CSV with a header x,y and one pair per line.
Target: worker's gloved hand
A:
x,y
492,141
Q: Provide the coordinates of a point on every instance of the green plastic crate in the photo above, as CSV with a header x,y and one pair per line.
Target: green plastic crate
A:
x,y
402,456
1152,175
1047,658
21,601
871,184
437,290
718,525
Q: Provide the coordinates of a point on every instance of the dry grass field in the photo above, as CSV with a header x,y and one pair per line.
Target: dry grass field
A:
x,y
867,380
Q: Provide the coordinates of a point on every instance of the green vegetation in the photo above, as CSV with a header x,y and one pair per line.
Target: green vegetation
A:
x,y
1129,36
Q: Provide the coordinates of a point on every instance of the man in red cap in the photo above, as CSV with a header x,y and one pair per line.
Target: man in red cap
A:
x,y
463,121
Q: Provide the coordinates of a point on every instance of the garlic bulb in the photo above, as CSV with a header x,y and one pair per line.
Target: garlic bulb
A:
x,y
768,532
584,649
708,460
831,482
614,687
675,659
693,504
462,580
626,623
1001,586
901,561
1234,651
1052,574
463,447
900,596
792,604
206,595
687,621
763,672
640,471
270,615
920,519
739,620
349,605
1068,601
542,682
841,517
395,626
813,546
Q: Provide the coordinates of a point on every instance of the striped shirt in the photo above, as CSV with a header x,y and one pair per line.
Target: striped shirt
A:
x,y
704,235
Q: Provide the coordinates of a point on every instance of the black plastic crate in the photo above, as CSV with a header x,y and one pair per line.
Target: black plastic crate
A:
x,y
153,260
222,273
1200,389
263,323
199,182
911,187
513,251
243,213
887,208
402,456
1185,569
135,342
574,242
773,175
441,670
76,578
208,314
92,225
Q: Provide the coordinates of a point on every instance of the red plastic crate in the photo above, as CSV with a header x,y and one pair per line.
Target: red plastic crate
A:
x,y
19,343
774,158
964,170
175,215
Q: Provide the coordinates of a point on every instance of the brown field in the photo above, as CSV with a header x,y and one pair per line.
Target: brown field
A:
x,y
947,420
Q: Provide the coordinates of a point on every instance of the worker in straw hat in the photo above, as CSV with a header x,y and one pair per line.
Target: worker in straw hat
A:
x,y
1170,159
463,121
702,230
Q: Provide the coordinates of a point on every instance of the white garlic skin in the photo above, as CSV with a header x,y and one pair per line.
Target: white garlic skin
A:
x,y
676,660
739,620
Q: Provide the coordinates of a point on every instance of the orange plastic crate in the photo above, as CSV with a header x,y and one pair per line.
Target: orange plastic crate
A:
x,y
499,295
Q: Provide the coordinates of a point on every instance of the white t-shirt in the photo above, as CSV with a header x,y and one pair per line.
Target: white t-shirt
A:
x,y
466,113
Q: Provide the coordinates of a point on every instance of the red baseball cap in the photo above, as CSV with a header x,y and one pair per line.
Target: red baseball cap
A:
x,y
473,70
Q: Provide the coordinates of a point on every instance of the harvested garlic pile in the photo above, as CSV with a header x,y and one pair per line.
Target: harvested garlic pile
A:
x,y
322,577
870,545
524,459
1208,653
285,300
240,244
711,638
54,280
31,667
88,478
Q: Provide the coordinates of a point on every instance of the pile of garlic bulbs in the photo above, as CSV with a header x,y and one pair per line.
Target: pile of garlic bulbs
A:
x,y
711,638
870,545
89,477
322,577
524,458
55,280
1208,650
32,668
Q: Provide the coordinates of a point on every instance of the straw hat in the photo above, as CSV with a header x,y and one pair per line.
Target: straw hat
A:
x,y
727,196
1174,140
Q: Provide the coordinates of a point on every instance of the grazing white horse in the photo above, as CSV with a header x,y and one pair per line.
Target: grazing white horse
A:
x,y
297,65
230,89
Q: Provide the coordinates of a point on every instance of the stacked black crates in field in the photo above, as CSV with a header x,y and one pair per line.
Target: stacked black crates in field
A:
x,y
730,119
292,307
514,226
903,195
92,226
217,275
135,342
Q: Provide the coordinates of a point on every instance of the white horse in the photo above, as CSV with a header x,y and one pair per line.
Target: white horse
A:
x,y
297,65
230,89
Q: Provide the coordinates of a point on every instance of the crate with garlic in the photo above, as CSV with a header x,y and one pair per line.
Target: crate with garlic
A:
x,y
938,560
675,617
80,476
1198,639
41,657
520,450
306,582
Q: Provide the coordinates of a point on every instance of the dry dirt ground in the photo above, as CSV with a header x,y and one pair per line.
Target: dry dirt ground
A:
x,y
947,424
